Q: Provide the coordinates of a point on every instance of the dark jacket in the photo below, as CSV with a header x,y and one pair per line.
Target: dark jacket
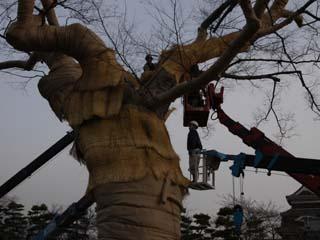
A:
x,y
193,141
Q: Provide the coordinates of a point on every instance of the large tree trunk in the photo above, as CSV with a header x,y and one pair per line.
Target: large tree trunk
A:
x,y
133,169
134,174
144,209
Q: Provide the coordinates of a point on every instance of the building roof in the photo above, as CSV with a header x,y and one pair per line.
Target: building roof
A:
x,y
303,196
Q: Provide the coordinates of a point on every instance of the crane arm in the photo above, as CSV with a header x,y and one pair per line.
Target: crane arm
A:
x,y
257,140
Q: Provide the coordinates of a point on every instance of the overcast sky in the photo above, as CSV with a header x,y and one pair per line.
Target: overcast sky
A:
x,y
28,127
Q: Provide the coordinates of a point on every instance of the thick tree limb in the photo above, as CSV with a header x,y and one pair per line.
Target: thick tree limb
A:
x,y
216,14
24,65
48,6
14,64
289,18
215,71
248,11
260,7
99,65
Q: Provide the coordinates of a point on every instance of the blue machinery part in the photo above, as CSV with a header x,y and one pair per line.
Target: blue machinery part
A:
x,y
238,165
72,213
276,162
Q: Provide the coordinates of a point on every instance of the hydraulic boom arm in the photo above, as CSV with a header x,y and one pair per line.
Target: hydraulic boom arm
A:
x,y
256,139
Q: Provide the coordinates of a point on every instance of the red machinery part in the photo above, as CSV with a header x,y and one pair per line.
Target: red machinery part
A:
x,y
196,113
256,139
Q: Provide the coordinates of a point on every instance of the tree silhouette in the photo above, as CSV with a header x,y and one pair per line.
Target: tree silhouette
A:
x,y
15,223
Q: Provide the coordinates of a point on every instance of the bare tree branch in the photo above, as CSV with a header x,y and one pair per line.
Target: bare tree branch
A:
x,y
270,105
25,65
216,14
279,61
122,57
259,77
215,71
49,12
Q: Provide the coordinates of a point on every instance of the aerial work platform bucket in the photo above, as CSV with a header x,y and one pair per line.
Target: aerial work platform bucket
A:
x,y
196,108
205,173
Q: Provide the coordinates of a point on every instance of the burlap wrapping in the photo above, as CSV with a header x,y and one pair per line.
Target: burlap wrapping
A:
x,y
73,105
98,63
127,147
179,59
57,86
84,105
148,209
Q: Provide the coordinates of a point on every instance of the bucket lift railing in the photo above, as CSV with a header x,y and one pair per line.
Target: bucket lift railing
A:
x,y
206,171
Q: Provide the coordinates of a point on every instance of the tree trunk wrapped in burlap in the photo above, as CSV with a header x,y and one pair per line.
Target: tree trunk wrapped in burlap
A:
x,y
134,174
145,209
127,147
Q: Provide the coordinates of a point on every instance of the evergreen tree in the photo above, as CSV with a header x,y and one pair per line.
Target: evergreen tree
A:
x,y
197,227
14,225
224,224
2,225
15,222
203,229
38,217
255,230
186,228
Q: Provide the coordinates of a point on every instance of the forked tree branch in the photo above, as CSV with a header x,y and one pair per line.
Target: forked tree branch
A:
x,y
244,39
215,71
49,6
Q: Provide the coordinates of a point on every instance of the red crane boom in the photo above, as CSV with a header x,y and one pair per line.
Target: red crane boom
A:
x,y
257,140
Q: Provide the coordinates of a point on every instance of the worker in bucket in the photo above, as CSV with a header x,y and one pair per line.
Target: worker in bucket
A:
x,y
194,147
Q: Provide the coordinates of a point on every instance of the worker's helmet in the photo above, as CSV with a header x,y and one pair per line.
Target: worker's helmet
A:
x,y
149,56
194,123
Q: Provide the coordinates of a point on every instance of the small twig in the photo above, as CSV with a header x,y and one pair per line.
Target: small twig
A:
x,y
123,59
265,118
299,73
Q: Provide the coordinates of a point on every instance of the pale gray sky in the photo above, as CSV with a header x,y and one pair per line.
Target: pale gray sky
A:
x,y
28,127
